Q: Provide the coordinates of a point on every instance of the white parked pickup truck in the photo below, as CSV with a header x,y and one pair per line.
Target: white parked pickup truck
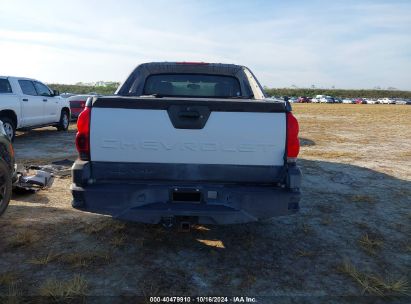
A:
x,y
27,103
187,143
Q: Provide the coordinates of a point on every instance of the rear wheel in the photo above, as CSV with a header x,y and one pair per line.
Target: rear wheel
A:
x,y
9,127
5,186
64,121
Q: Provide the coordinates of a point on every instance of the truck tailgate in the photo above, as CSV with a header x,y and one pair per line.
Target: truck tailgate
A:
x,y
192,140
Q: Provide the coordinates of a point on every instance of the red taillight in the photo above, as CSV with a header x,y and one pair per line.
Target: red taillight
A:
x,y
293,143
83,134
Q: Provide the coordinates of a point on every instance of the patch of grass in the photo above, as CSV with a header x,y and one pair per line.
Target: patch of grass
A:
x,y
8,278
326,208
404,154
330,154
58,290
248,280
399,286
361,198
303,253
362,225
85,259
247,239
14,293
326,221
118,240
149,289
43,260
139,241
370,245
374,284
104,225
22,239
164,281
306,228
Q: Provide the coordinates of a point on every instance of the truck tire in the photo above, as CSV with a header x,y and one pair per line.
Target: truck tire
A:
x,y
5,186
9,127
64,122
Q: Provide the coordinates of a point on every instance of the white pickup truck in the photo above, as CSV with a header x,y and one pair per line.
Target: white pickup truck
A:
x,y
187,143
27,103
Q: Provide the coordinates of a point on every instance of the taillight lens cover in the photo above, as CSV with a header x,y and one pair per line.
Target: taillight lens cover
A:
x,y
83,134
293,143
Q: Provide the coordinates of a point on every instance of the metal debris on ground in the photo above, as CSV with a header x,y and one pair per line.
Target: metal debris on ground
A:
x,y
27,181
34,178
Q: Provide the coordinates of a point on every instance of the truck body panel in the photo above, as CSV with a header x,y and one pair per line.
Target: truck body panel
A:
x,y
148,136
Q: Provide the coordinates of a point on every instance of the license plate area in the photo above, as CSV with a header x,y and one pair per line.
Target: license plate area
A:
x,y
186,195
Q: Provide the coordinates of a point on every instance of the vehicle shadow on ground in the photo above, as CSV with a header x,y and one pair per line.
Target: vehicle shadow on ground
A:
x,y
30,197
43,132
289,255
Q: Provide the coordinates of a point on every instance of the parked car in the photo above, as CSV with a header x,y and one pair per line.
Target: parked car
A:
x,y
386,101
293,99
326,99
372,101
317,98
170,147
400,101
77,104
27,103
337,100
348,100
7,169
360,101
303,99
66,95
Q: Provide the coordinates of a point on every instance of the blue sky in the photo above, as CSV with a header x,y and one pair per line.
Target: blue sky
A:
x,y
346,44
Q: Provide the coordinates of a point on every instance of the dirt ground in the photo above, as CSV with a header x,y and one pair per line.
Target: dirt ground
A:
x,y
349,243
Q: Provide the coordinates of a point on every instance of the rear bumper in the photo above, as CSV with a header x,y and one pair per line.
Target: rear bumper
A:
x,y
152,202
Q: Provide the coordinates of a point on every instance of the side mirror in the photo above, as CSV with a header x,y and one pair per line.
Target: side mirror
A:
x,y
56,93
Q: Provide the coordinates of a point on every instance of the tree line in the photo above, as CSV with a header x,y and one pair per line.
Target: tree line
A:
x,y
108,90
79,89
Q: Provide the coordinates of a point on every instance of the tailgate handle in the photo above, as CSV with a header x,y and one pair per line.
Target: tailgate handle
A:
x,y
189,114
188,117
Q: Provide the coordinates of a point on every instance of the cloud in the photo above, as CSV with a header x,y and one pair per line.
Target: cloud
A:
x,y
350,44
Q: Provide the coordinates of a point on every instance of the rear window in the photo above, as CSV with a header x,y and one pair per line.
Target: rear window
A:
x,y
192,85
5,86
